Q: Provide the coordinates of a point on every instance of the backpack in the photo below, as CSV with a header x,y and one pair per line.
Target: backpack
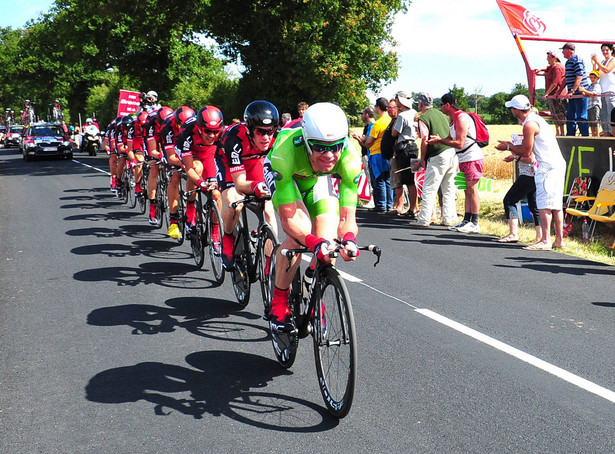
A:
x,y
482,133
388,142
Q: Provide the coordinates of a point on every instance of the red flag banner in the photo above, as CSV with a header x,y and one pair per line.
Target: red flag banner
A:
x,y
129,103
522,22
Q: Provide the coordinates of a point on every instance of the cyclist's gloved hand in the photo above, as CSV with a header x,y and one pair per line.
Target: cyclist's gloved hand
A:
x,y
351,250
259,189
319,246
202,184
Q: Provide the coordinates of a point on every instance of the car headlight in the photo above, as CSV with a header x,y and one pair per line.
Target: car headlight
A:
x,y
30,144
66,143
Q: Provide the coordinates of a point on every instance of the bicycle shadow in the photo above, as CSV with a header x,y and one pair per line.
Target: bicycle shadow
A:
x,y
217,384
205,317
164,273
163,249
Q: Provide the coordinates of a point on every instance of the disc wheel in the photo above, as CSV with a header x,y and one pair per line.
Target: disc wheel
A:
x,y
214,224
335,350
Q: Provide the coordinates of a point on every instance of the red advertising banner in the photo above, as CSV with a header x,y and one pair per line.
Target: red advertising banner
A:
x,y
522,22
129,103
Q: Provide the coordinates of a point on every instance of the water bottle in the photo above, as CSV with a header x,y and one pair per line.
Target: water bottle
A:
x,y
308,277
585,229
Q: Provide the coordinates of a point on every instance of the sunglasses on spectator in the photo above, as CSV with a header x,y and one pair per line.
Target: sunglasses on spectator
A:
x,y
264,131
327,147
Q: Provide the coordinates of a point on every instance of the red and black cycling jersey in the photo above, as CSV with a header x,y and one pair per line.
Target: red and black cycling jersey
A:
x,y
236,147
190,143
236,153
110,136
134,135
152,128
120,137
168,133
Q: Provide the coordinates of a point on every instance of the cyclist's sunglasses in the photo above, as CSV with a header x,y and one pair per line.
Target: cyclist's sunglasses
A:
x,y
326,147
210,132
264,131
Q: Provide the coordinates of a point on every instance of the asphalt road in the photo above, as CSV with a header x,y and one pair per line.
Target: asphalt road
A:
x,y
112,341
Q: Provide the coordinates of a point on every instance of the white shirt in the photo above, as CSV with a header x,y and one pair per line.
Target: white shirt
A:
x,y
405,125
546,149
473,152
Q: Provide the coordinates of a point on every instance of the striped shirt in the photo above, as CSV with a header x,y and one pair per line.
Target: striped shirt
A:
x,y
574,68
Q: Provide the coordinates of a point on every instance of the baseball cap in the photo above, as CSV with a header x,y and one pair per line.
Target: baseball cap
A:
x,y
568,46
403,98
519,102
425,99
595,73
450,98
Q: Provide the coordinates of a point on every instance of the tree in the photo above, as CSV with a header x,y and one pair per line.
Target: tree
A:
x,y
307,50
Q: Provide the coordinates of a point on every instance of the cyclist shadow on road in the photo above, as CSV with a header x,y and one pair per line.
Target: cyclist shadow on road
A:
x,y
207,317
216,383
167,274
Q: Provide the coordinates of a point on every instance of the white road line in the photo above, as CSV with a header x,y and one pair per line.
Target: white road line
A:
x,y
508,349
92,167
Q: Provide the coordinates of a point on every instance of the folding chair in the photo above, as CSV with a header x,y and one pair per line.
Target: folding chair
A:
x,y
579,188
602,204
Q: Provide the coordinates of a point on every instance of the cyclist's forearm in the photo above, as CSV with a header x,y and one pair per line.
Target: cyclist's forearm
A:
x,y
348,222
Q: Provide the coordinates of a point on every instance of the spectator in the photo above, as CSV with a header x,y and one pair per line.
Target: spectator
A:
x,y
367,117
524,186
462,137
555,91
383,195
405,150
386,150
539,139
607,85
296,123
593,105
440,163
286,118
576,77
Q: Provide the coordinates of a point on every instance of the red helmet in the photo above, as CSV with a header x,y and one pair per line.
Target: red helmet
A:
x,y
210,117
182,114
163,113
142,118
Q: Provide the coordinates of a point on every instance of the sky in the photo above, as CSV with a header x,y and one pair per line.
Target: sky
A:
x,y
445,42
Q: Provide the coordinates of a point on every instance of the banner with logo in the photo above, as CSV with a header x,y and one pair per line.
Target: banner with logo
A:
x,y
129,103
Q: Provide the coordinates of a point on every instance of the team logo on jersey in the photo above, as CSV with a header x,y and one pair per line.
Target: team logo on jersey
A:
x,y
356,179
187,144
170,137
235,155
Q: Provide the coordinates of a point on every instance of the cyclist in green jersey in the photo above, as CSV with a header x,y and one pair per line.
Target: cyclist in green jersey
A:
x,y
301,172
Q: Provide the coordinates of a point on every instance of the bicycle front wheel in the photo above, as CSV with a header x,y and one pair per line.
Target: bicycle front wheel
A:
x,y
335,341
132,200
240,271
197,235
181,213
215,231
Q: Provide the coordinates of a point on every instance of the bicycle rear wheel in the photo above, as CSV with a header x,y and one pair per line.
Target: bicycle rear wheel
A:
x,y
213,218
240,271
266,264
335,348
124,188
142,200
197,235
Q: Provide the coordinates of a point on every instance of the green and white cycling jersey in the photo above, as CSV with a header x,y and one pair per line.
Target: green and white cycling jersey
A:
x,y
290,176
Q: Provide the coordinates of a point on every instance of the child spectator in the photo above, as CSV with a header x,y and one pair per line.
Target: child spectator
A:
x,y
594,102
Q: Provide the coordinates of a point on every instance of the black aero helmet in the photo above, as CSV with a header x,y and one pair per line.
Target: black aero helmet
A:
x,y
128,121
261,114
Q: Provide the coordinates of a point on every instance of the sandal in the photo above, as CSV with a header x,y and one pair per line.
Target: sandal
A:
x,y
538,247
508,239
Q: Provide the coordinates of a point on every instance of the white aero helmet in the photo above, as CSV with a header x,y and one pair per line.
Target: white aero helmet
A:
x,y
324,122
151,94
88,121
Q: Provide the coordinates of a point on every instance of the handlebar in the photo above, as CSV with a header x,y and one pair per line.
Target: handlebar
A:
x,y
249,198
375,249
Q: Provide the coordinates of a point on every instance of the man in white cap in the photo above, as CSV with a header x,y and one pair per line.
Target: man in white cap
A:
x,y
404,130
539,138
